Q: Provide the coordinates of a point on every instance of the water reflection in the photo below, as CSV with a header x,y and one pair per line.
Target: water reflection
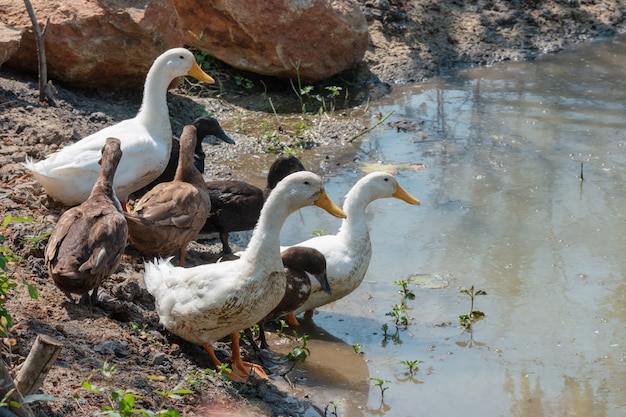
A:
x,y
503,208
577,398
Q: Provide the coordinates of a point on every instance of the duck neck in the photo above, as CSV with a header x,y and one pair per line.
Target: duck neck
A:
x,y
104,183
354,229
186,171
265,240
154,112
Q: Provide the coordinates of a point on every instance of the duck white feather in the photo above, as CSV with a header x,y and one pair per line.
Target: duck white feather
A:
x,y
69,174
207,302
348,253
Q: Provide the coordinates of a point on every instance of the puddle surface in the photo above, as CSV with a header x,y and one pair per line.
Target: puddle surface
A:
x,y
503,209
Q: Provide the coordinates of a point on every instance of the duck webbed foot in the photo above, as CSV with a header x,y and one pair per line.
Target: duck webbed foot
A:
x,y
243,370
292,320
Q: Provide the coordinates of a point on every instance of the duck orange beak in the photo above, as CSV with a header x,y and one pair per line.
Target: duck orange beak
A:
x,y
197,73
323,201
404,196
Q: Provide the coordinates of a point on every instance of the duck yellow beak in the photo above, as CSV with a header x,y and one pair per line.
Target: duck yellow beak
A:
x,y
404,196
324,202
197,73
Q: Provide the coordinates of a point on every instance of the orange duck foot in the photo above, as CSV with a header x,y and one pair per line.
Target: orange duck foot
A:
x,y
243,370
292,320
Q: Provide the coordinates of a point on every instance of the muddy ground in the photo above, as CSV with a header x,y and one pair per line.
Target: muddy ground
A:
x,y
410,41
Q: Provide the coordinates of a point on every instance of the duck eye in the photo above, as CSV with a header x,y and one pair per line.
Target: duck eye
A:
x,y
306,182
386,179
181,57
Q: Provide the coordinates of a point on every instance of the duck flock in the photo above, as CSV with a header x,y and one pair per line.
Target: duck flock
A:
x,y
96,176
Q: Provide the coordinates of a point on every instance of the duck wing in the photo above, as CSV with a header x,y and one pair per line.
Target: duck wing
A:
x,y
86,246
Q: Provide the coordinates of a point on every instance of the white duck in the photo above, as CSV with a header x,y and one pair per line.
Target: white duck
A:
x,y
69,174
207,302
348,253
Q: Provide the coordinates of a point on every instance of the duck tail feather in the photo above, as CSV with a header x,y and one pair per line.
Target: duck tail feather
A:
x,y
156,272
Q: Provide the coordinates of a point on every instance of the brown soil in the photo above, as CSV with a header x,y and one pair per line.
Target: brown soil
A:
x,y
410,41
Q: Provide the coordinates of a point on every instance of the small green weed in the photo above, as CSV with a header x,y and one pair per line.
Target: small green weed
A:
x,y
380,383
283,325
399,315
8,278
412,366
468,319
335,405
244,82
123,402
140,331
404,291
200,380
299,353
385,329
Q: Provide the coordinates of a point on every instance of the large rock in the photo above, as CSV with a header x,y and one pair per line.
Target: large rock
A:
x,y
9,42
108,44
273,37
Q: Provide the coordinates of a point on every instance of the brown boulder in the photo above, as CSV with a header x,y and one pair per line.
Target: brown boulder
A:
x,y
9,41
91,44
273,37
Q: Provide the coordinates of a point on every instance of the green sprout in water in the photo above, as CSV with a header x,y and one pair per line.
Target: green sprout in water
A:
x,y
399,316
335,405
404,291
412,365
380,383
299,353
385,328
357,348
468,319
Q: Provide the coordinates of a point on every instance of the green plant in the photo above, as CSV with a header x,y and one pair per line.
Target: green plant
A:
x,y
335,405
404,291
412,365
244,82
319,232
7,402
333,92
468,319
398,314
299,353
300,128
357,348
380,383
134,328
122,402
200,380
385,328
282,326
224,369
8,278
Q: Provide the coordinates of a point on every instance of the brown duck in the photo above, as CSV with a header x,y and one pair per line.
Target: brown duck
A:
x,y
170,215
236,205
207,127
88,242
297,260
